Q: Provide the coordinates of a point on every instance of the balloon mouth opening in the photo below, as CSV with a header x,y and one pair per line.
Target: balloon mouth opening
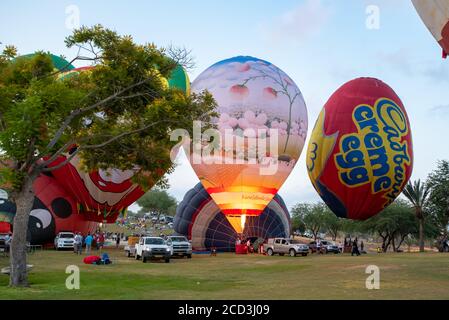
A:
x,y
238,221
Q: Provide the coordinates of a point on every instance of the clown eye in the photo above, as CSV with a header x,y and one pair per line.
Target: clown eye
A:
x,y
44,217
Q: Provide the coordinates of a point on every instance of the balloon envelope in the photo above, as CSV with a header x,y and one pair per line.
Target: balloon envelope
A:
x,y
435,15
200,220
360,154
53,210
263,126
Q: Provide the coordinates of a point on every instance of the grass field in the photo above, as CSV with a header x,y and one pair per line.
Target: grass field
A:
x,y
230,276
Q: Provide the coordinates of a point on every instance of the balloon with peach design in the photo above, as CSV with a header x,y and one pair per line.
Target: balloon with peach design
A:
x,y
263,126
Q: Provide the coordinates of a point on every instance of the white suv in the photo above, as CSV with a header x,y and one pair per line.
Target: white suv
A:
x,y
65,240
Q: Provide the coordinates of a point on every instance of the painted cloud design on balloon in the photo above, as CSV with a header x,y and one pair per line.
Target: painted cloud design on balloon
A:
x,y
252,95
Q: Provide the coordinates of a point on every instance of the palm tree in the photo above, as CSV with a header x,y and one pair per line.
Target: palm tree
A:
x,y
417,194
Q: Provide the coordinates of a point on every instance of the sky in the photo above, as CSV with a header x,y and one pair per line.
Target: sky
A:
x,y
320,44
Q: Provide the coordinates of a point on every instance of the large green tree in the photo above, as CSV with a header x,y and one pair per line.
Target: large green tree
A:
x,y
417,194
312,215
119,115
438,204
331,223
393,225
158,201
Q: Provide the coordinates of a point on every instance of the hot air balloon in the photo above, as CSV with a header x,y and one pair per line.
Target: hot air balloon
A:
x,y
53,210
435,15
360,154
263,126
59,63
103,195
200,220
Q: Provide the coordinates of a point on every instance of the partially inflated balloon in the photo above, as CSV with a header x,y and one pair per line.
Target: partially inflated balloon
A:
x,y
435,15
200,220
263,126
360,154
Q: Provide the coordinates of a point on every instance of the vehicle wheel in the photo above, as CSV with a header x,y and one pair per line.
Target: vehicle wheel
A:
x,y
167,260
189,256
292,253
144,259
270,252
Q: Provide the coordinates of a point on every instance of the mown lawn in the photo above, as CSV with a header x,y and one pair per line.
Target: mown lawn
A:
x,y
230,276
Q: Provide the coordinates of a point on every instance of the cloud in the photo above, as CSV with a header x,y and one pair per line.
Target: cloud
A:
x,y
409,64
400,60
300,23
440,109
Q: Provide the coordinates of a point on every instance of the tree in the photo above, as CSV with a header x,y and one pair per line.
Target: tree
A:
x,y
417,194
118,115
438,203
297,219
158,201
392,225
312,215
331,223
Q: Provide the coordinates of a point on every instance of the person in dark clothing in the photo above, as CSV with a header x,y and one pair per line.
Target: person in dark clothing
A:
x,y
355,248
362,246
117,240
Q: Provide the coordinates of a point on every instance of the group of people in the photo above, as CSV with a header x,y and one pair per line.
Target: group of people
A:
x,y
98,239
354,244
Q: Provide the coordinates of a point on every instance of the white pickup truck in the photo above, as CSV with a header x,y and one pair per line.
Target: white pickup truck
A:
x,y
153,247
181,246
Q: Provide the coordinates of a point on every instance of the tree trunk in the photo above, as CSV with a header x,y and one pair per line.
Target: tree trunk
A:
x,y
421,235
393,243
387,243
18,259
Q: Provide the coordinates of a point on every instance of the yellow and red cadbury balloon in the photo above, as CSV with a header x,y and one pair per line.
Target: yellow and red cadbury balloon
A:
x,y
360,154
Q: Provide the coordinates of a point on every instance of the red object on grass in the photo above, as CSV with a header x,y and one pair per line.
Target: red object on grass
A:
x,y
91,259
241,249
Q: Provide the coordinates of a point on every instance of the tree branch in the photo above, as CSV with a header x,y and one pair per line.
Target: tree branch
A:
x,y
96,146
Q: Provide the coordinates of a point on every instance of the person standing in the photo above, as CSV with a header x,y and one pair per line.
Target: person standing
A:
x,y
88,242
100,240
78,243
8,240
117,240
355,248
362,246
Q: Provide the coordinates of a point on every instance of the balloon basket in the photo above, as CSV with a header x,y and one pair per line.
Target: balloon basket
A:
x,y
241,249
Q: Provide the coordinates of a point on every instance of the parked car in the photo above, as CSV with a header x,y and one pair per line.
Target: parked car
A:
x,y
153,247
181,246
64,240
329,246
284,246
